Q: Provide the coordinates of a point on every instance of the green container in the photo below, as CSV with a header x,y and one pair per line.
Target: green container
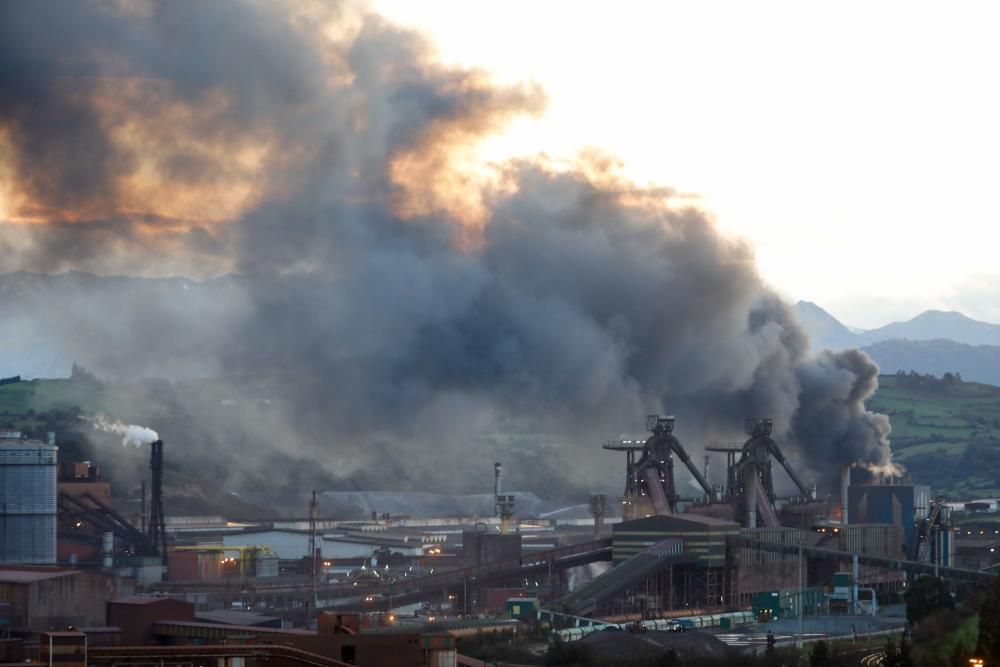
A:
x,y
766,606
522,609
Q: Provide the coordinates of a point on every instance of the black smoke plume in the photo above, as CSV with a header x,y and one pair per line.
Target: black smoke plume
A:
x,y
380,306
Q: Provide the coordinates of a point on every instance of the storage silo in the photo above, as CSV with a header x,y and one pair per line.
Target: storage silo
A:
x,y
28,477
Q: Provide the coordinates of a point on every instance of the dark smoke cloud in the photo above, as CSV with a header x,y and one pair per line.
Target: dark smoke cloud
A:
x,y
395,316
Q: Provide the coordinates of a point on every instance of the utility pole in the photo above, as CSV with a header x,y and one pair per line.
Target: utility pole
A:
x,y
802,538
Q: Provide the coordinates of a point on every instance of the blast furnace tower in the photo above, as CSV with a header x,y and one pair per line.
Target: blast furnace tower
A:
x,y
649,470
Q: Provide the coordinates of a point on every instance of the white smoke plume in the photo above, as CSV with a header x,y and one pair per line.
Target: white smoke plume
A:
x,y
132,435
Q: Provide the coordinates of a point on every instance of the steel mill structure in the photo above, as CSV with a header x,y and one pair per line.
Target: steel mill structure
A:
x,y
650,487
649,470
712,555
750,485
28,482
719,550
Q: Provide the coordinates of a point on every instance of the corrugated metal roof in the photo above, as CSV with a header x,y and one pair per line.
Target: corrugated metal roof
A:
x,y
29,576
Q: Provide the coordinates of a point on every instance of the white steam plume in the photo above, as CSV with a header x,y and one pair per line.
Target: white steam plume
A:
x,y
132,435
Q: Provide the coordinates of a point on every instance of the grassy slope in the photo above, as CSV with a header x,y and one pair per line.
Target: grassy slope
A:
x,y
948,437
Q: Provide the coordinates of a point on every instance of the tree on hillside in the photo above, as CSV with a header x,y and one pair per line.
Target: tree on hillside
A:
x,y
925,596
81,375
988,647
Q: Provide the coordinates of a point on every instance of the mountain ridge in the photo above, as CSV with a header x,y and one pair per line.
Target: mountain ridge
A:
x,y
825,330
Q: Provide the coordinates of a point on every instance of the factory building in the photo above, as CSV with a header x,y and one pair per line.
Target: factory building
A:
x,y
764,571
893,504
27,500
42,598
698,575
480,547
135,614
703,536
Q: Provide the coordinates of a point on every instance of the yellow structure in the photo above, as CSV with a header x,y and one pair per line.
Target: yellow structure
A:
x,y
246,553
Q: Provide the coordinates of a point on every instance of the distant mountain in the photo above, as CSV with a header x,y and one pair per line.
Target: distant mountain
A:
x,y
937,325
933,342
976,363
824,329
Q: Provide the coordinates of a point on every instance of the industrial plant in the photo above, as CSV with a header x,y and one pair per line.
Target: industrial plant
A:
x,y
727,557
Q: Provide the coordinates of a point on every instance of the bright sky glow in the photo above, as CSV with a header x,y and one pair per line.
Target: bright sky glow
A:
x,y
855,144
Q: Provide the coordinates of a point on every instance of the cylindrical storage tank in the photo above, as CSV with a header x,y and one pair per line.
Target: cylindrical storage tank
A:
x,y
28,502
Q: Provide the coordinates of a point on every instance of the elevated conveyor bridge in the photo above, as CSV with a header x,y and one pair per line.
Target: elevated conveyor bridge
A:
x,y
636,569
910,566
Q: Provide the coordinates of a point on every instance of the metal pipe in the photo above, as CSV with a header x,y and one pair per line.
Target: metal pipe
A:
x,y
845,482
749,493
776,453
111,512
675,445
855,575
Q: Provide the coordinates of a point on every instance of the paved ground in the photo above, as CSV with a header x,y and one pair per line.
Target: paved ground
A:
x,y
813,627
609,645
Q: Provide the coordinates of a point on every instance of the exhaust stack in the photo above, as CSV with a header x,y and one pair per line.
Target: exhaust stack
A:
x,y
497,471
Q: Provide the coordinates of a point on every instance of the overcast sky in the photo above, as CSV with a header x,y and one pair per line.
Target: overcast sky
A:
x,y
855,144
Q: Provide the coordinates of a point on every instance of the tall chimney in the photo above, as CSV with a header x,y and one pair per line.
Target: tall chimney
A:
x,y
598,503
497,470
845,481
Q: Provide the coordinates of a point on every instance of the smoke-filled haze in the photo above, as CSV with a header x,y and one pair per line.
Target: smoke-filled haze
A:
x,y
313,165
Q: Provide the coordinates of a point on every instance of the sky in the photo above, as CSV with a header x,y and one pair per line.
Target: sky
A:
x,y
855,145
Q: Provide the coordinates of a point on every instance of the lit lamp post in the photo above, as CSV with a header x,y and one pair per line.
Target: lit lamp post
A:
x,y
975,662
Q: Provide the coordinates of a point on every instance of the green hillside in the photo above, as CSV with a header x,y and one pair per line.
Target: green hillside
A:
x,y
944,431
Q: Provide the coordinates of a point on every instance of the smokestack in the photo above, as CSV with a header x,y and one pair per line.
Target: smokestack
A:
x,y
157,530
497,471
845,482
598,505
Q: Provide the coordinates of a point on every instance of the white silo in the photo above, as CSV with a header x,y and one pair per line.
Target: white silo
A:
x,y
28,484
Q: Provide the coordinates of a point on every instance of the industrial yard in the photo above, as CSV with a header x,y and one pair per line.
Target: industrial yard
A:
x,y
738,560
